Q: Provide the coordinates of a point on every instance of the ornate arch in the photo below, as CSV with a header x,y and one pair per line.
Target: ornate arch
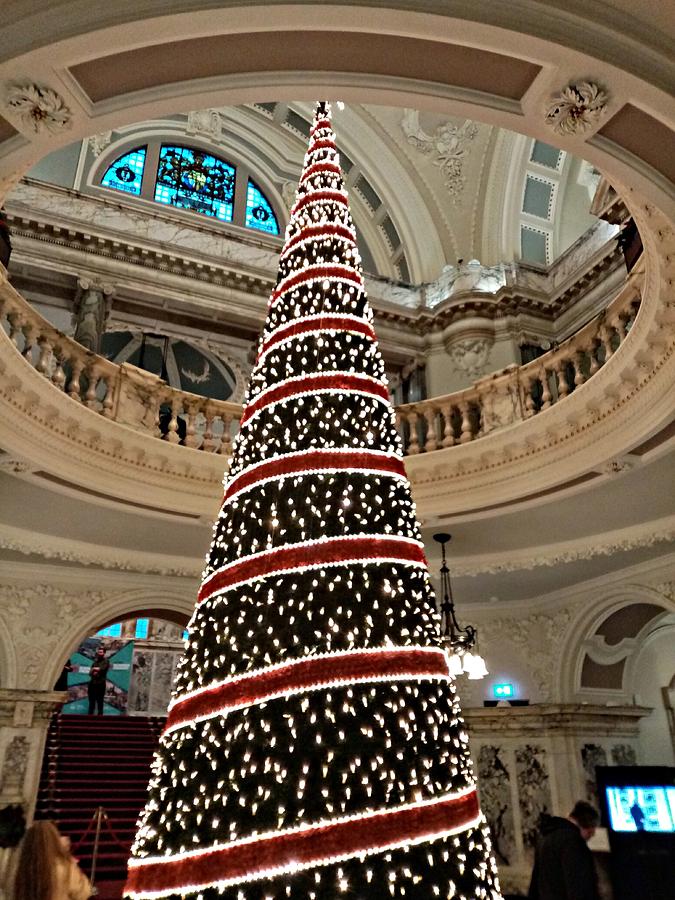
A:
x,y
584,629
171,604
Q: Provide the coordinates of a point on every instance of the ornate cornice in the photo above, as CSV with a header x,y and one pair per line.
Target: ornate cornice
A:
x,y
48,546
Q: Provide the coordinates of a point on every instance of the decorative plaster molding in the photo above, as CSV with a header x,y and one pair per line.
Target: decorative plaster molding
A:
x,y
99,142
447,147
38,108
622,540
25,541
470,355
206,123
577,108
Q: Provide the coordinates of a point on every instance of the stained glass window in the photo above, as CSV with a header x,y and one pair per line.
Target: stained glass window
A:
x,y
259,213
141,628
193,179
111,631
126,173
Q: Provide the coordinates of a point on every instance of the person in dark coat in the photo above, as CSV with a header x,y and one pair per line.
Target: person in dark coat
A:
x,y
563,864
97,679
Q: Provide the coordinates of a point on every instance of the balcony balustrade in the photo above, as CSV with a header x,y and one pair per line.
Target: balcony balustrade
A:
x,y
140,400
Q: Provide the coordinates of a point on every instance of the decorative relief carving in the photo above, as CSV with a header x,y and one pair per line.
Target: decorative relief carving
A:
x,y
447,147
99,142
206,122
538,637
470,355
577,108
46,614
288,193
38,108
14,766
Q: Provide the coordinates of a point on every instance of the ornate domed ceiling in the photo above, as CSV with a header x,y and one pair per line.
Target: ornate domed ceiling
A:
x,y
427,192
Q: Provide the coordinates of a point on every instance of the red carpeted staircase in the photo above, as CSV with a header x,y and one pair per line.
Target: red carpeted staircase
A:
x,y
93,761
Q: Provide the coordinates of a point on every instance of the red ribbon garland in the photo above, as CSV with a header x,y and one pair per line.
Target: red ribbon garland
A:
x,y
312,554
312,460
339,323
319,124
318,231
322,381
311,846
317,196
315,273
310,673
320,167
322,144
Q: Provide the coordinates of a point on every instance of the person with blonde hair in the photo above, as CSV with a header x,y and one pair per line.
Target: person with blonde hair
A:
x,y
46,870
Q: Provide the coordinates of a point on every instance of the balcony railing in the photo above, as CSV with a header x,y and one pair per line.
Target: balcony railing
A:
x,y
141,400
520,392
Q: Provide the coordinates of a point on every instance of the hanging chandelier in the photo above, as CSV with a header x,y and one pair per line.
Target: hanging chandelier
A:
x,y
460,642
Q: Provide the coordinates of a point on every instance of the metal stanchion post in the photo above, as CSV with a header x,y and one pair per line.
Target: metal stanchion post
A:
x,y
99,819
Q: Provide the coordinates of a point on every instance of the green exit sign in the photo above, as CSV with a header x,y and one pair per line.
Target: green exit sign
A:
x,y
502,691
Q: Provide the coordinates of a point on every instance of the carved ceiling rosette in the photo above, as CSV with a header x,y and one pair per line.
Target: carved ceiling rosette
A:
x,y
577,108
38,108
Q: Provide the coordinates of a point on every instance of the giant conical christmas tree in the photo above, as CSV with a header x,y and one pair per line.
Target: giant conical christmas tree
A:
x,y
314,746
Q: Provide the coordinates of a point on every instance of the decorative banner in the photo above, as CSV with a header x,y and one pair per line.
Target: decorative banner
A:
x,y
119,653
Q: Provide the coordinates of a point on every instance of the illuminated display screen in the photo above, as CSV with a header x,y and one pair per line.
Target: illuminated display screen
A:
x,y
641,808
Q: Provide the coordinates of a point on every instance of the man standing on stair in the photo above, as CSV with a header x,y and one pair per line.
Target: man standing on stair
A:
x,y
96,687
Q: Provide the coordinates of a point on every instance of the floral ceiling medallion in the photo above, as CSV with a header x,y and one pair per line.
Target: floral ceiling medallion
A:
x,y
38,108
577,108
447,147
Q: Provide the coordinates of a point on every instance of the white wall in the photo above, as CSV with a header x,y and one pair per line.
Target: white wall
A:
x,y
654,669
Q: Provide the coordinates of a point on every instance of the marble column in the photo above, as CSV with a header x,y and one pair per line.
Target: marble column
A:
x,y
91,309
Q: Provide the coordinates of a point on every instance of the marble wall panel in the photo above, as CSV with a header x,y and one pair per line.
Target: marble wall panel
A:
x,y
141,678
624,755
592,755
495,797
534,790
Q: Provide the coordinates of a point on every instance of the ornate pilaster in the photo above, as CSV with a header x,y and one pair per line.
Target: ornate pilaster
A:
x,y
91,309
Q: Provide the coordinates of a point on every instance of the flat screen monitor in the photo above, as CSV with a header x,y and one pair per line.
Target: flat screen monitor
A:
x,y
646,808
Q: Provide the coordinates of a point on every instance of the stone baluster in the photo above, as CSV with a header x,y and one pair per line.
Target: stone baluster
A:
x,y
595,363
172,435
16,323
578,360
530,385
545,388
619,324
74,389
448,430
467,434
606,338
413,442
208,442
191,437
226,440
28,342
58,375
430,415
109,397
90,394
45,358
561,375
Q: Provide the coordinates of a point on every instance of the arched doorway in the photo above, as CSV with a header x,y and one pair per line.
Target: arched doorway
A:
x,y
141,653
